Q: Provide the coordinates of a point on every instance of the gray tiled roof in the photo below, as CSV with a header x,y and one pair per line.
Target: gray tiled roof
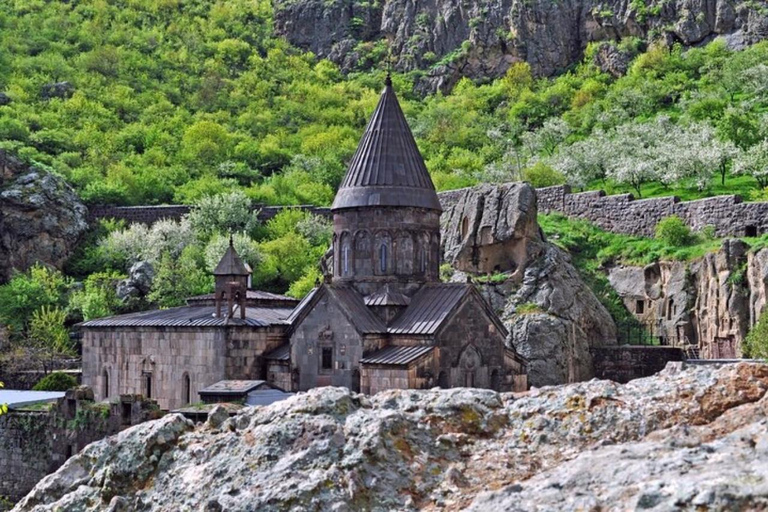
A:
x,y
231,264
192,316
303,305
397,355
233,387
429,308
364,319
281,353
266,396
249,294
387,297
351,303
387,168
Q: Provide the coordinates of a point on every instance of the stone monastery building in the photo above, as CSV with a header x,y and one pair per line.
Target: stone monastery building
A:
x,y
383,319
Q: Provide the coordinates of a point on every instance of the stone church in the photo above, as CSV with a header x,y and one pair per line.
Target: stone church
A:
x,y
381,320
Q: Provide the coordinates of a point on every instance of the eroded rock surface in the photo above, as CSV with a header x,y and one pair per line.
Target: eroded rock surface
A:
x,y
710,303
678,439
481,40
552,315
41,217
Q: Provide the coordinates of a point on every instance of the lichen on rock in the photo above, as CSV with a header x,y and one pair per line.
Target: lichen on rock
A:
x,y
683,436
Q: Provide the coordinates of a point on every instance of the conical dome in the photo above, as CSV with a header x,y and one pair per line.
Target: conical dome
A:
x,y
387,169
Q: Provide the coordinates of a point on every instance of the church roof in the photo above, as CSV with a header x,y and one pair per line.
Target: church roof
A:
x,y
253,298
193,316
231,264
387,168
397,355
350,302
430,307
387,297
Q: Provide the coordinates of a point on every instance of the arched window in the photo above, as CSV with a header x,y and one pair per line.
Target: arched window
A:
x,y
442,380
105,384
186,389
345,268
147,377
383,257
345,254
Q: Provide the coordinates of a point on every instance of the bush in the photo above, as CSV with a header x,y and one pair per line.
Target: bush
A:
x,y
756,343
542,175
673,231
223,214
56,381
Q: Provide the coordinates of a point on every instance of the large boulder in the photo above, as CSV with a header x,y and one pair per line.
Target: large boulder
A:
x,y
553,317
41,217
685,439
481,40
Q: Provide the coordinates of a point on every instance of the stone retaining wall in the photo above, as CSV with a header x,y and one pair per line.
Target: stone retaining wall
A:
x,y
622,213
151,214
34,443
627,362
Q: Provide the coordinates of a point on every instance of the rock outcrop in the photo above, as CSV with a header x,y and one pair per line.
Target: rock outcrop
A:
x,y
710,303
553,317
481,40
41,217
691,439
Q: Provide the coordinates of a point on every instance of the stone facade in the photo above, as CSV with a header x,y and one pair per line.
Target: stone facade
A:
x,y
34,443
622,213
386,245
170,364
629,362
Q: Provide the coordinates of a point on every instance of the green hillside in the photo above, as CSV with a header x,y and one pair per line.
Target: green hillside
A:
x,y
196,101
172,100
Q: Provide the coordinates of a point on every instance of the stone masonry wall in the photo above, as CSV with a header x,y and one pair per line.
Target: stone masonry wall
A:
x,y
151,214
622,213
34,443
627,362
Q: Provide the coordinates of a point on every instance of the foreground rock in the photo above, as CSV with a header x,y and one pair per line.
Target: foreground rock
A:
x,y
686,438
552,315
481,40
41,217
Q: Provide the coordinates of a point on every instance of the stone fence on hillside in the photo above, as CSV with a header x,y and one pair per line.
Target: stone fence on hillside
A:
x,y
151,214
622,213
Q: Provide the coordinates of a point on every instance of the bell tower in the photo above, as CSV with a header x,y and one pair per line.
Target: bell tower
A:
x,y
231,284
386,214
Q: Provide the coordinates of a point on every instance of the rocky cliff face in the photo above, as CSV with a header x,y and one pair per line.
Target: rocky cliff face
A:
x,y
553,317
710,303
480,40
685,439
41,217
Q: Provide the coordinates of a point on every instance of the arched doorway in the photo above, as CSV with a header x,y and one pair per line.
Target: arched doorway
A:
x,y
469,362
442,380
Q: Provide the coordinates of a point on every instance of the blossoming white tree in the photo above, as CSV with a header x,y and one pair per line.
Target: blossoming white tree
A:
x,y
754,162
